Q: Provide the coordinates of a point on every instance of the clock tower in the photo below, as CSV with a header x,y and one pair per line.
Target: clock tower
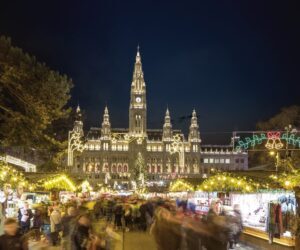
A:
x,y
138,105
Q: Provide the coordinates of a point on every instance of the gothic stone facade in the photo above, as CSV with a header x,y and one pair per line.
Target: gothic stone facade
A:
x,y
115,151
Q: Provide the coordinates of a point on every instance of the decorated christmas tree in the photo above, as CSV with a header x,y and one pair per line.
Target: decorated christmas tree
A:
x,y
139,171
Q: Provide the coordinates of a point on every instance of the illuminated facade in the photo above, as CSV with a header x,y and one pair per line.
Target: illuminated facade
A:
x,y
110,153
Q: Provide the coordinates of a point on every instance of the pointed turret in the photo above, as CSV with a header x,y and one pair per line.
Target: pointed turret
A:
x,y
194,135
106,128
78,124
167,128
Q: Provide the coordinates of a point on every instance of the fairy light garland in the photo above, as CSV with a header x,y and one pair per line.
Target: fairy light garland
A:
x,y
288,180
226,182
61,182
180,186
9,175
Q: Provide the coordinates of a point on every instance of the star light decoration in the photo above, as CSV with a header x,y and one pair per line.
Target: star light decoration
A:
x,y
75,144
126,137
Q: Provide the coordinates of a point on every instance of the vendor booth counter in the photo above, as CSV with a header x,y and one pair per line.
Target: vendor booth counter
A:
x,y
269,216
260,240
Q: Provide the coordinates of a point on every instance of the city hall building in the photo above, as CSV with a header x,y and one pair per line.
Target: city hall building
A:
x,y
166,152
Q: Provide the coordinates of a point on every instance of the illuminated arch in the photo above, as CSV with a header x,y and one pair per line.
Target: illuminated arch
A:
x,y
180,186
227,183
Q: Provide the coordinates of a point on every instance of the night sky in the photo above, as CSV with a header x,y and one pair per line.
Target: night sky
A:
x,y
235,62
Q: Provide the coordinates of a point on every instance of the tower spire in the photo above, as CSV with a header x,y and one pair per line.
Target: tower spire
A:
x,y
138,105
167,128
194,134
106,127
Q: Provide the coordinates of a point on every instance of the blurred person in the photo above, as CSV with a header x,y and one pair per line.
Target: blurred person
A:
x,y
98,209
68,225
80,238
55,224
218,228
25,215
38,221
127,216
166,230
239,224
11,239
143,217
118,212
111,237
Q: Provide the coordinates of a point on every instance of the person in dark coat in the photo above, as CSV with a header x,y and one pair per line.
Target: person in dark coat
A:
x,y
38,220
81,235
11,239
68,224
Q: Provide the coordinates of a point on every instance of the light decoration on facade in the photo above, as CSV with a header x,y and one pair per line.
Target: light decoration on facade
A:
x,y
177,146
75,143
225,182
86,187
274,140
180,186
126,137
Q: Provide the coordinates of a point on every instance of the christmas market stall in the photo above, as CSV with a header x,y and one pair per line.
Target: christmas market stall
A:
x,y
268,206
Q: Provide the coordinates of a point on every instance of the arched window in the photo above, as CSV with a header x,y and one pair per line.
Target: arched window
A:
x,y
158,169
152,169
114,168
119,168
125,167
173,169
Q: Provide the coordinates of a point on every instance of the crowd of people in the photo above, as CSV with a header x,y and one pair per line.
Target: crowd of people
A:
x,y
172,224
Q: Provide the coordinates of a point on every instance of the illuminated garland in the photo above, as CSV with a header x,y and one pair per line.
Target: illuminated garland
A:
x,y
180,186
274,140
225,182
287,181
9,175
61,182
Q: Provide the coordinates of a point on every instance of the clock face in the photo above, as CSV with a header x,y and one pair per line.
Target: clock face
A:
x,y
138,99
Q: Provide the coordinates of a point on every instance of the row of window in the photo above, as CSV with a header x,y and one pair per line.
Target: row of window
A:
x,y
215,160
114,147
124,147
155,148
221,160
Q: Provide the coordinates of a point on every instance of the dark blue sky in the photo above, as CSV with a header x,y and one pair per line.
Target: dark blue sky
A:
x,y
236,62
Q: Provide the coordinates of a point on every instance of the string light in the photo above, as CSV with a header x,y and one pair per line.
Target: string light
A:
x,y
8,175
61,182
180,186
287,180
226,182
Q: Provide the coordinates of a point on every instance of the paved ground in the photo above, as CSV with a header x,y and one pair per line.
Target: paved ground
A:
x,y
144,241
